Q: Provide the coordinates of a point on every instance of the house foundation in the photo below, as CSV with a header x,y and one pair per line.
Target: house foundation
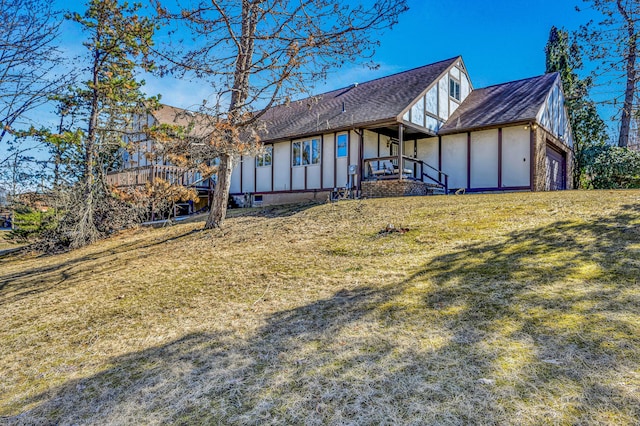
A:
x,y
395,188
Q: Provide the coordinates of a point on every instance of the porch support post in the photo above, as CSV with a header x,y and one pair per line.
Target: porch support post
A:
x,y
400,149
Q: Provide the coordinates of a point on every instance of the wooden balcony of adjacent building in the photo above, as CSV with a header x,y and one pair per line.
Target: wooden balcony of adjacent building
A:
x,y
140,176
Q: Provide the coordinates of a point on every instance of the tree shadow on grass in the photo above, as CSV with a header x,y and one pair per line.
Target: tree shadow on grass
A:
x,y
61,271
541,327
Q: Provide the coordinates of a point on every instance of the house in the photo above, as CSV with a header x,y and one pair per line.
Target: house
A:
x,y
417,132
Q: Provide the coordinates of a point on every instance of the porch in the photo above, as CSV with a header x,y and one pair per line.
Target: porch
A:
x,y
398,174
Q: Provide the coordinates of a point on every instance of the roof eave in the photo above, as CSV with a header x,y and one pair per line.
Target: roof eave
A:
x,y
489,126
366,124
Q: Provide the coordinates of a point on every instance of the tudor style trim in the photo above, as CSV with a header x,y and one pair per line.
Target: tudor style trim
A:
x,y
500,157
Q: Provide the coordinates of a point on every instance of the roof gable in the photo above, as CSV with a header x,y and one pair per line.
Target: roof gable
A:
x,y
377,100
513,102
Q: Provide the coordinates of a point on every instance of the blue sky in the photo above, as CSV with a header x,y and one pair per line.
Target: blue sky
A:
x,y
499,40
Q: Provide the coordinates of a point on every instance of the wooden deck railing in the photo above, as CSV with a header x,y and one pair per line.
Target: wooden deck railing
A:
x,y
141,175
412,168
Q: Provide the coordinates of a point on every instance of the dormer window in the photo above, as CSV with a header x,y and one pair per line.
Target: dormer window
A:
x,y
454,89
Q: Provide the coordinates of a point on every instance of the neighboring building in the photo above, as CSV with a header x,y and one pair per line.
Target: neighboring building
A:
x,y
412,133
139,167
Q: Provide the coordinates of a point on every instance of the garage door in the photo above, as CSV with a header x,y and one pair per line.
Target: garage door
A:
x,y
556,165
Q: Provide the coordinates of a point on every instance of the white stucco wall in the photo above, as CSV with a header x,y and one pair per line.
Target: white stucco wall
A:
x,y
234,188
515,157
248,173
281,165
454,159
297,174
370,144
432,100
313,176
263,179
328,156
428,152
443,94
553,115
465,86
484,159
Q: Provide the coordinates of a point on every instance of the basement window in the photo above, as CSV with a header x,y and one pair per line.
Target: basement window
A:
x,y
265,159
454,89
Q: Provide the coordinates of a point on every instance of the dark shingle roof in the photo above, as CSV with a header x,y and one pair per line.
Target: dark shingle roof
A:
x,y
513,102
376,100
167,114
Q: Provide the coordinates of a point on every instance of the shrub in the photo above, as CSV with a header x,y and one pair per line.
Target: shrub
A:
x,y
612,167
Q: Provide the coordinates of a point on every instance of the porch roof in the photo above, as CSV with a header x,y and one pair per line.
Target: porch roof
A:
x,y
359,105
513,102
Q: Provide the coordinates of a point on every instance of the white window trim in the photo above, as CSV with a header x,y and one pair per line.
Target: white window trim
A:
x,y
302,142
262,156
456,81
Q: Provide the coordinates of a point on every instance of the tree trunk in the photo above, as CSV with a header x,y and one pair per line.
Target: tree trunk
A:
x,y
627,109
86,231
218,209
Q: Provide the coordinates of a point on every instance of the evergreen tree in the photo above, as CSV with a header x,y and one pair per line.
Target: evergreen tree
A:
x,y
587,128
118,45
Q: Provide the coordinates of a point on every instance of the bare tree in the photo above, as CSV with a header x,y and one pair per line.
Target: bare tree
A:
x,y
28,58
613,43
258,53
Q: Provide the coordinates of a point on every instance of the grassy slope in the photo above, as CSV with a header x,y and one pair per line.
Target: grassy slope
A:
x,y
516,308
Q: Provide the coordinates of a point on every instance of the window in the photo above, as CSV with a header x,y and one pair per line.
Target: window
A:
x,y
454,89
341,146
264,160
305,153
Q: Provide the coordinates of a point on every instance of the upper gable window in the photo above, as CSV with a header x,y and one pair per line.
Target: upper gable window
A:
x,y
454,89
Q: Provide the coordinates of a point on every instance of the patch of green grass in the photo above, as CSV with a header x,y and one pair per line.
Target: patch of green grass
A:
x,y
500,309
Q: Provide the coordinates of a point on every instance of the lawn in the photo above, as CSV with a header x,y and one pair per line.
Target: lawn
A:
x,y
519,308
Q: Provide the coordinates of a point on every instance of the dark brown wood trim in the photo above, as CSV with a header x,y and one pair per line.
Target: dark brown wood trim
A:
x,y
322,161
532,159
439,152
241,167
477,129
400,150
348,152
505,188
335,159
500,157
287,191
305,177
360,158
468,160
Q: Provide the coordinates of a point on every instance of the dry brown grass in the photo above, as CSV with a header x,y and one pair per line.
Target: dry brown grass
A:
x,y
492,309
